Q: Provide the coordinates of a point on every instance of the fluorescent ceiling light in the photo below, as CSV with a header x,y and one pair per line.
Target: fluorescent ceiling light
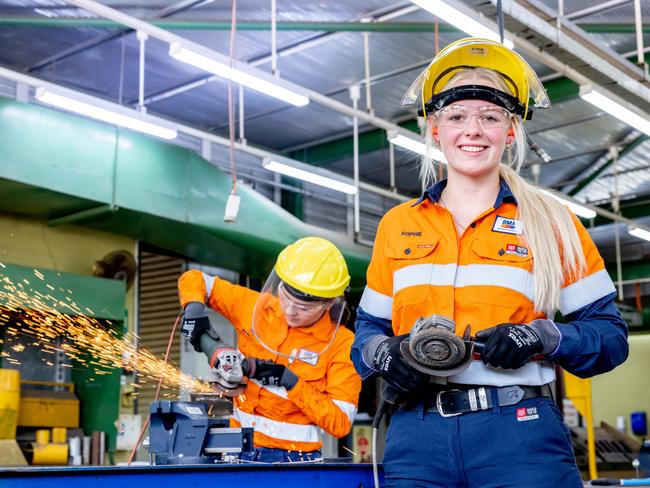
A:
x,y
577,209
223,70
603,102
458,19
639,232
302,174
106,112
415,146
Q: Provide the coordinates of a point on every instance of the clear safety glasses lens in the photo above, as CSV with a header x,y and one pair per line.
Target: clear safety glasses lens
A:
x,y
458,116
290,303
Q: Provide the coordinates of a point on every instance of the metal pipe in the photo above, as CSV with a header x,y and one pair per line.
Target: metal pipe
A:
x,y
638,22
391,165
595,9
366,64
331,28
355,94
274,43
142,38
616,206
242,137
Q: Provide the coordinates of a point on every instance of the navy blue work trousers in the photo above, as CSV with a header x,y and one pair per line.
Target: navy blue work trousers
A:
x,y
520,446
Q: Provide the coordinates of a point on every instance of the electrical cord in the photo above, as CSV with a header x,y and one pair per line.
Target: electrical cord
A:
x,y
160,380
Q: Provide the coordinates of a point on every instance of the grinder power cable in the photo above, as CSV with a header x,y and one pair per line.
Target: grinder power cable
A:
x,y
432,347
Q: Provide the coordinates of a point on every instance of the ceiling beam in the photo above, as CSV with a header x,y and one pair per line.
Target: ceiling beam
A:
x,y
158,21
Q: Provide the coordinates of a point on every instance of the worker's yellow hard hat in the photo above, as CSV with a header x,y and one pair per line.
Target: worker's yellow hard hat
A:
x,y
313,266
426,92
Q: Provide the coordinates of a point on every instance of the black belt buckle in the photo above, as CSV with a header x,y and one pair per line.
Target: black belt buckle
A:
x,y
441,411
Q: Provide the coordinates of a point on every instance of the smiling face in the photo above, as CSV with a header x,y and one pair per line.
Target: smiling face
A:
x,y
473,133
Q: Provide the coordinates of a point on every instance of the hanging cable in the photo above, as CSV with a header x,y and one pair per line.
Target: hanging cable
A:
x,y
158,387
231,116
232,204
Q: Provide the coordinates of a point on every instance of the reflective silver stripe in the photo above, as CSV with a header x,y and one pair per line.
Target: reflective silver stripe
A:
x,y
276,429
472,399
376,303
535,373
585,291
424,274
209,283
482,398
348,408
516,279
280,391
513,278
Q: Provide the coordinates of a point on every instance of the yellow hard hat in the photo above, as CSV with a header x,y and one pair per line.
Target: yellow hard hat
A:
x,y
313,266
474,52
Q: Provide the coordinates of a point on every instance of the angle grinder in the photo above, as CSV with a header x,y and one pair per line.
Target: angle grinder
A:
x,y
434,348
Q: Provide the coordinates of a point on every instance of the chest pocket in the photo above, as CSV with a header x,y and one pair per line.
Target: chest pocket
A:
x,y
413,266
510,275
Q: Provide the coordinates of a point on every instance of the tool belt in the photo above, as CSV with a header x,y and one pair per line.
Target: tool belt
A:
x,y
468,398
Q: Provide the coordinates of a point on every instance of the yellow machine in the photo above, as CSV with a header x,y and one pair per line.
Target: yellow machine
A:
x,y
10,453
43,406
37,404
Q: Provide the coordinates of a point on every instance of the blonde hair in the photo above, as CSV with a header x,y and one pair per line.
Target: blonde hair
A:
x,y
549,230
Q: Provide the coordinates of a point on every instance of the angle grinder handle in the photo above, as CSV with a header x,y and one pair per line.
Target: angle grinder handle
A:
x,y
478,347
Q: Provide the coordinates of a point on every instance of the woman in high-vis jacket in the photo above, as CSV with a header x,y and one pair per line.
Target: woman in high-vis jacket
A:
x,y
291,347
487,250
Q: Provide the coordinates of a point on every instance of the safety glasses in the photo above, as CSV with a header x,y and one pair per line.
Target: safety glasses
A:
x,y
290,303
458,116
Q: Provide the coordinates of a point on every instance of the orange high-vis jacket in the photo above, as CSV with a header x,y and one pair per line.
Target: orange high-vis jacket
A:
x,y
421,266
327,393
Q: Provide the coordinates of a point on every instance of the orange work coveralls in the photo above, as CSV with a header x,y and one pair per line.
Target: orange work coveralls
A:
x,y
327,392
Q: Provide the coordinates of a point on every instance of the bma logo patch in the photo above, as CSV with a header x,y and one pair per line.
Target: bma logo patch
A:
x,y
507,225
517,250
524,414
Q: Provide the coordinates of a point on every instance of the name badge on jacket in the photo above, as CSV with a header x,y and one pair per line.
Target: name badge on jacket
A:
x,y
507,225
308,356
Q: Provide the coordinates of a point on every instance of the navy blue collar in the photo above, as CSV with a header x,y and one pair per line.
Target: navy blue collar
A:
x,y
434,192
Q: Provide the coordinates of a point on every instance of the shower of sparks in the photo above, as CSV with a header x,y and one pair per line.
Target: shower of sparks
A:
x,y
46,318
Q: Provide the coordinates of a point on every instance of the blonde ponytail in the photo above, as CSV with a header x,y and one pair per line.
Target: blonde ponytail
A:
x,y
551,236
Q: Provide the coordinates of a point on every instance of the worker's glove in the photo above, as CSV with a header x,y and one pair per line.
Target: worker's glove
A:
x,y
393,368
510,346
195,323
269,373
227,364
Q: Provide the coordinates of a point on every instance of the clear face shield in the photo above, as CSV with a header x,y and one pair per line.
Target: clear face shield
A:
x,y
521,79
278,302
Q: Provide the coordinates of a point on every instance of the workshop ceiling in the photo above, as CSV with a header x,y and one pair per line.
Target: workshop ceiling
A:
x,y
321,47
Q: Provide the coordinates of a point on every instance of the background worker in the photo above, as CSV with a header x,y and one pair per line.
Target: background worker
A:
x,y
291,345
486,249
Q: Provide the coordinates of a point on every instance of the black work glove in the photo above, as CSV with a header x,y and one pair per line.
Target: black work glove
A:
x,y
509,346
195,323
271,374
394,369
